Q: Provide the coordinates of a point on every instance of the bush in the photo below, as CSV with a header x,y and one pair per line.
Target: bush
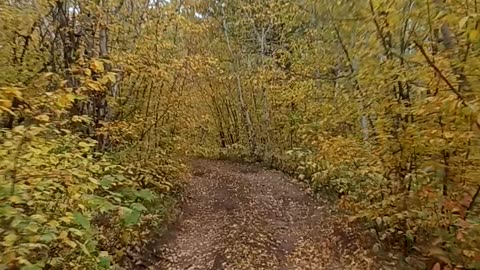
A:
x,y
65,206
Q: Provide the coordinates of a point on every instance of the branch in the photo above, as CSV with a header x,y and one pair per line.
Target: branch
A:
x,y
437,70
379,30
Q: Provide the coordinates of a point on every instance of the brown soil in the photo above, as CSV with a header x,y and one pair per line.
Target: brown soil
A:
x,y
240,216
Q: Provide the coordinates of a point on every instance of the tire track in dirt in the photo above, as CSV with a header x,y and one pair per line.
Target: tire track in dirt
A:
x,y
241,216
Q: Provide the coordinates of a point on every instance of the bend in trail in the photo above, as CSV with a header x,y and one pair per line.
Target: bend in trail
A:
x,y
240,216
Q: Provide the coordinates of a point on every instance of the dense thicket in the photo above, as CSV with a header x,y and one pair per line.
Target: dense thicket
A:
x,y
374,102
90,99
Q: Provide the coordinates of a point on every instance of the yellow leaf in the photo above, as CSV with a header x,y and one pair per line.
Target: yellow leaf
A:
x,y
6,103
11,92
474,35
112,77
54,223
70,243
93,180
66,219
32,227
449,134
94,85
164,187
463,22
81,118
104,80
84,145
10,239
63,235
97,66
34,238
66,100
43,118
15,199
5,109
469,253
39,218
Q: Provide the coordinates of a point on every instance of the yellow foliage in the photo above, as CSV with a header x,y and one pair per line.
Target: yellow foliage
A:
x,y
372,102
97,66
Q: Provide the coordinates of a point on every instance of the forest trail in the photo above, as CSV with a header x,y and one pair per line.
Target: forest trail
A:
x,y
242,216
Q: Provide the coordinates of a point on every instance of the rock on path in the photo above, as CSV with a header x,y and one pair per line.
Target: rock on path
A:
x,y
240,216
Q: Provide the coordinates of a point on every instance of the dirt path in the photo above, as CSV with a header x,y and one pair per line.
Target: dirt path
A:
x,y
241,216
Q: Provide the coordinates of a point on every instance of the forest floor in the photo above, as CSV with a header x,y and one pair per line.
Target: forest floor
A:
x,y
242,216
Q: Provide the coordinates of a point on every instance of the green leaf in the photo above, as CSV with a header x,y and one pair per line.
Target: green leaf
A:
x,y
146,194
139,207
409,236
131,217
91,245
82,220
104,262
107,181
47,238
101,204
84,248
129,192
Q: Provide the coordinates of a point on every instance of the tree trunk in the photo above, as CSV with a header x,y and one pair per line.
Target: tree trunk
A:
x,y
243,106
